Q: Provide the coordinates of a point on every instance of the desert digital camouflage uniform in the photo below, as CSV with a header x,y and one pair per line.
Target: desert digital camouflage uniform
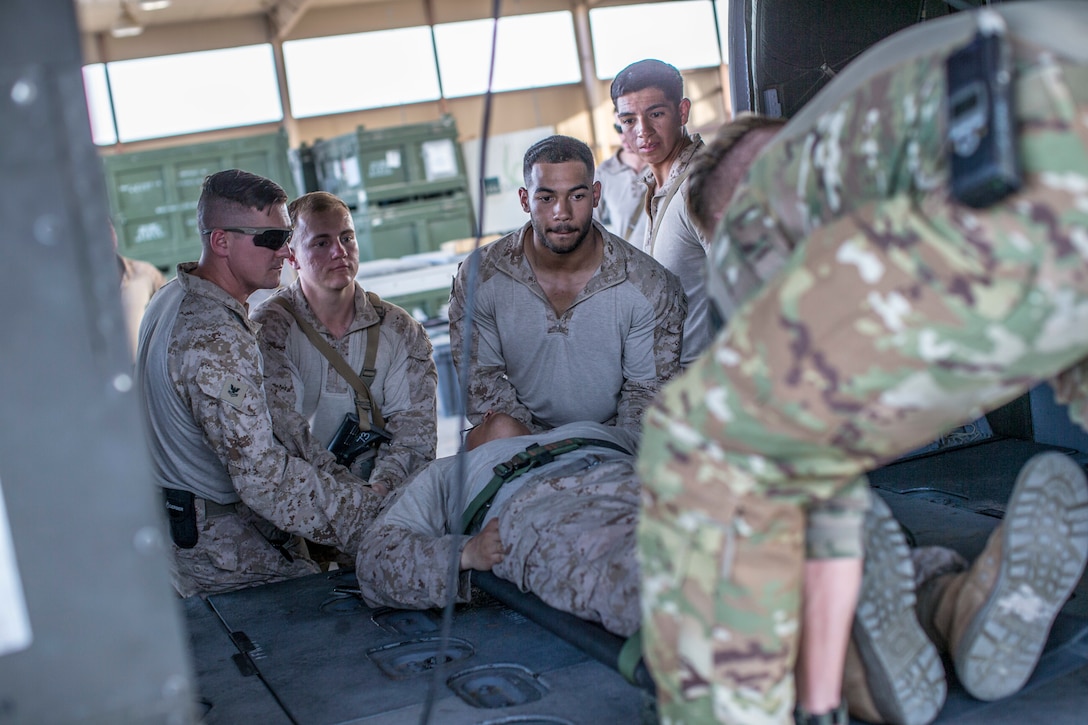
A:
x,y
673,240
602,360
897,316
568,530
623,199
300,379
200,374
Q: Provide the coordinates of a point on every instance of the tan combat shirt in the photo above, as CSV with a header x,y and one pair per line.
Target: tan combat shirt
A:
x,y
300,379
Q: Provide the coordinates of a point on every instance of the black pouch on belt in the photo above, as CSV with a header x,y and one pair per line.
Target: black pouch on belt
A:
x,y
181,510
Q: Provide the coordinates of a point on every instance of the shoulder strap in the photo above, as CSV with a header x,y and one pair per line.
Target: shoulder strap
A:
x,y
364,402
533,456
664,205
372,335
633,221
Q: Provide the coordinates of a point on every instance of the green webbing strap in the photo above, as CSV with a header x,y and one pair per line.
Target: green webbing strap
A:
x,y
629,657
369,371
534,455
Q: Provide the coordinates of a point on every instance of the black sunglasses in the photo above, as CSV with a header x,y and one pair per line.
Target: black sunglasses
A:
x,y
268,237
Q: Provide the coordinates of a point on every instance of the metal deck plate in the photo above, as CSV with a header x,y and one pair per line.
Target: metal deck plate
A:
x,y
328,658
228,690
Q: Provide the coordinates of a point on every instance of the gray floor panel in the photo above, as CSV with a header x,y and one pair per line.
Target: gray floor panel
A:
x,y
330,659
319,656
227,693
584,693
1057,693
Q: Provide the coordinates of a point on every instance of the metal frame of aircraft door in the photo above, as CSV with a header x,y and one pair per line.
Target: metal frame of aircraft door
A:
x,y
82,541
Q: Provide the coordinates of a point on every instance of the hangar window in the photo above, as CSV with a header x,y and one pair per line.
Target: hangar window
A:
x,y
359,71
98,104
683,35
189,92
532,51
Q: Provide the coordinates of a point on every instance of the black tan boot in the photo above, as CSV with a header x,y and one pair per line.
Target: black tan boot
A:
x,y
995,617
893,672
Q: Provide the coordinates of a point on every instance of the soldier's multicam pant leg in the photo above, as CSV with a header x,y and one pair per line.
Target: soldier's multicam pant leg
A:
x,y
896,319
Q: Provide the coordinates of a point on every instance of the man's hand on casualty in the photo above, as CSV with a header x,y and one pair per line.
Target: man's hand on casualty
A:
x,y
484,550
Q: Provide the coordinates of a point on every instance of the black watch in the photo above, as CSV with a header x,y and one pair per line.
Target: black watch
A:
x,y
838,716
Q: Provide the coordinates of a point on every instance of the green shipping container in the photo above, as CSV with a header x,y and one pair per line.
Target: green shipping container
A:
x,y
421,226
361,219
153,194
366,168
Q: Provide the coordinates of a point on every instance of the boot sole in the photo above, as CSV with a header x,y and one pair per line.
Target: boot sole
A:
x,y
902,667
1044,548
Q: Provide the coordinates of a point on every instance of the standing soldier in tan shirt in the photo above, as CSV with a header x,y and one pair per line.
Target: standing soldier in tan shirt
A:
x,y
652,113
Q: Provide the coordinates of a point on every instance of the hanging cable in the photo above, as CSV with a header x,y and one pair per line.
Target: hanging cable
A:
x,y
454,568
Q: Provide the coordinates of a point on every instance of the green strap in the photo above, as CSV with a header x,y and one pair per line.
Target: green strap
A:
x,y
369,371
534,455
629,657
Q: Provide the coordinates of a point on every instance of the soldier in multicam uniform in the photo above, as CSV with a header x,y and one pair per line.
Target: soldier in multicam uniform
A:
x,y
899,314
571,323
563,530
652,112
299,378
915,601
232,489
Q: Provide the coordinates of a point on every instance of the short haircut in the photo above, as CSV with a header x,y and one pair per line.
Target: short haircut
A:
x,y
315,202
556,150
234,190
701,202
649,73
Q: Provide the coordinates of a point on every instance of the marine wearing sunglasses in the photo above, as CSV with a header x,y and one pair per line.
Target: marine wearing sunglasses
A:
x,y
268,237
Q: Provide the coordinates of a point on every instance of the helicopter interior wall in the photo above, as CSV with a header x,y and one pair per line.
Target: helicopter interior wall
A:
x,y
104,637
795,47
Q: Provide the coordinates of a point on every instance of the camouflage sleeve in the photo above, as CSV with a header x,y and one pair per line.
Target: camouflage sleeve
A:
x,y
220,375
1071,388
408,549
281,382
488,387
871,145
410,406
664,331
402,568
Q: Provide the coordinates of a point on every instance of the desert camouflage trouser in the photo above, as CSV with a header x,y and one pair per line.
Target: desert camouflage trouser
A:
x,y
231,553
895,320
570,540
